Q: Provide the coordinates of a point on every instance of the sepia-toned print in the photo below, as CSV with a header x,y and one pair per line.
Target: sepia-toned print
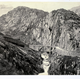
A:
x,y
39,38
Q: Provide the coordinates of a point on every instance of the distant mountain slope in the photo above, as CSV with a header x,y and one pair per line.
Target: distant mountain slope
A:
x,y
4,9
76,10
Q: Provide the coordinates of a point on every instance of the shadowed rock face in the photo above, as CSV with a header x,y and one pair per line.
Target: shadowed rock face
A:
x,y
16,60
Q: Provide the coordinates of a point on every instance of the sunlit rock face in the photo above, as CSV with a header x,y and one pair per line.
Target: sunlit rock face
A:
x,y
20,22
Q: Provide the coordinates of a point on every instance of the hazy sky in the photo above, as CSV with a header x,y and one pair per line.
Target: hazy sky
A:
x,y
46,6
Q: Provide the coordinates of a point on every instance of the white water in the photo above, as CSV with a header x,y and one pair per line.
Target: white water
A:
x,y
45,64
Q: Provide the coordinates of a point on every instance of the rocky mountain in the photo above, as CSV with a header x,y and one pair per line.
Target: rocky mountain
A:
x,y
19,22
35,27
65,27
29,27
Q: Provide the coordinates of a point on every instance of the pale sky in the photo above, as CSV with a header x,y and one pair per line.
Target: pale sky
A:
x,y
46,6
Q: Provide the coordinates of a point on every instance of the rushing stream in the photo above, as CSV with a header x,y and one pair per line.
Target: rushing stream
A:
x,y
45,64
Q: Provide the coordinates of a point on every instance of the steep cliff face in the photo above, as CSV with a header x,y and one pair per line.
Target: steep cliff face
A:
x,y
67,36
65,27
